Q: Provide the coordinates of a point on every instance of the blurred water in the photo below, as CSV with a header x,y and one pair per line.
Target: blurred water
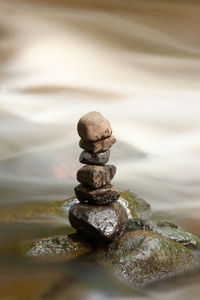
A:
x,y
135,62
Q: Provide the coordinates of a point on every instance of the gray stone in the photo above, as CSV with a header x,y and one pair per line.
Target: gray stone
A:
x,y
103,196
72,245
94,127
96,176
141,256
167,229
90,158
98,146
100,223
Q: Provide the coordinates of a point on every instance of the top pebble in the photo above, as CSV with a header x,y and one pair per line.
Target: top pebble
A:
x,y
94,127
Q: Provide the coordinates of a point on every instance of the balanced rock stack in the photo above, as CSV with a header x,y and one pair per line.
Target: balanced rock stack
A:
x,y
98,215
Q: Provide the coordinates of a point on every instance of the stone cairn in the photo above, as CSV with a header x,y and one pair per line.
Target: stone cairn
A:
x,y
98,215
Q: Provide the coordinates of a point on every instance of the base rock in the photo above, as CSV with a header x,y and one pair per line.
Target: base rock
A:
x,y
150,250
100,223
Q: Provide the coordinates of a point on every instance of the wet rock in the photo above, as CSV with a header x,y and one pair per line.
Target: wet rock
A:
x,y
167,229
149,251
141,257
98,146
100,223
96,176
72,245
103,196
136,207
89,158
94,127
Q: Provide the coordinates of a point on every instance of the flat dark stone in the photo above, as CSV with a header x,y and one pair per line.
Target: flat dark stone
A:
x,y
96,176
103,196
90,158
98,146
100,223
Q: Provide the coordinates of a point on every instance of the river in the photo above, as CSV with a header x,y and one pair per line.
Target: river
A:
x,y
136,62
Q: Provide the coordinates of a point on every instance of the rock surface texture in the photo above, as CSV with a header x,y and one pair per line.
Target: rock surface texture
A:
x,y
143,256
98,216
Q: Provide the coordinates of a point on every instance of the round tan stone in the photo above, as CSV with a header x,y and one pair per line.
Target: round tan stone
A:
x,y
94,127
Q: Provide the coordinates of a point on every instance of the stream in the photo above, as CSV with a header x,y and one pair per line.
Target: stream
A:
x,y
136,62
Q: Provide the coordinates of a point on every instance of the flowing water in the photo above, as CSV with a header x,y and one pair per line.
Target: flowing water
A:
x,y
138,63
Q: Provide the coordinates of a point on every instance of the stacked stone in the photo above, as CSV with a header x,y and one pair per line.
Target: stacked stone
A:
x,y
98,215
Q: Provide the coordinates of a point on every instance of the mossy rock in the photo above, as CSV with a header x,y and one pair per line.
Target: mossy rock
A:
x,y
135,206
69,246
148,251
166,229
142,256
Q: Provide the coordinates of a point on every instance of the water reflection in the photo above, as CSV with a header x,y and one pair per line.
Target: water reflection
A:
x,y
137,63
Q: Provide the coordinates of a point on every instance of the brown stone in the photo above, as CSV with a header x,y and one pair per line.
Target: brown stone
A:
x,y
100,223
103,196
98,146
96,176
94,127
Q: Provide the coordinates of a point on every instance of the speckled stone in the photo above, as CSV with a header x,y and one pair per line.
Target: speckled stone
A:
x,y
68,246
94,158
101,223
98,146
96,176
142,256
94,127
103,196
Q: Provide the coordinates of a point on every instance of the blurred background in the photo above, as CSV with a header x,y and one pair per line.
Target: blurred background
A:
x,y
136,62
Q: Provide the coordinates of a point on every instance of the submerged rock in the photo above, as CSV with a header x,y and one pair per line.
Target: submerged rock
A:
x,y
100,223
72,245
103,196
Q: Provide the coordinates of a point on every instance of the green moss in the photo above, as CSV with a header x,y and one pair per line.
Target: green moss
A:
x,y
166,229
136,206
142,256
